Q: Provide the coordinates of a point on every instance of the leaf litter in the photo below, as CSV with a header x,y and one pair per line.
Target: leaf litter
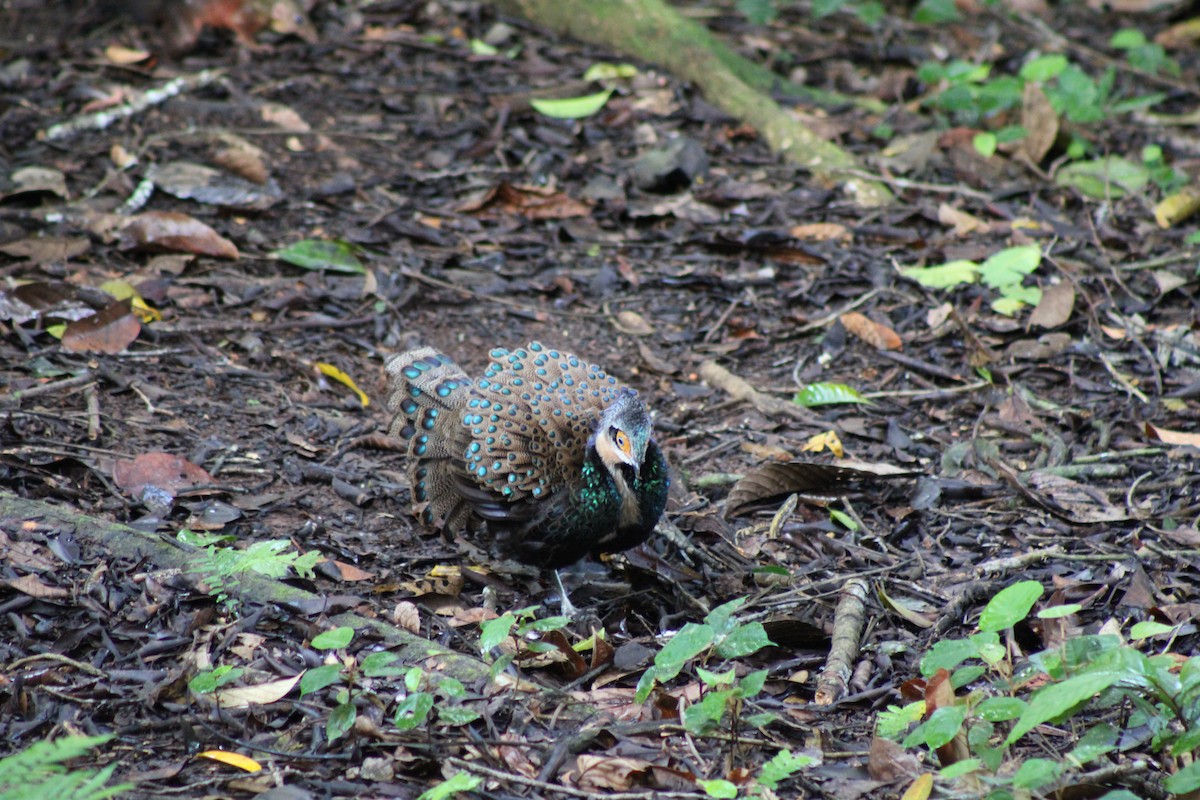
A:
x,y
1062,454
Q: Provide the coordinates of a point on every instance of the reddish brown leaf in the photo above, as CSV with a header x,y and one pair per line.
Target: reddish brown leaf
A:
x,y
161,470
876,334
170,230
110,330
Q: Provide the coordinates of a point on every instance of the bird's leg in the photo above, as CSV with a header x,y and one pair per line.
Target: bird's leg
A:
x,y
567,608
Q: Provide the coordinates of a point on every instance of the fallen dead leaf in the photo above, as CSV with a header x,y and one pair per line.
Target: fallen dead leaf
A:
x,y
876,334
109,330
170,230
32,586
165,471
259,695
1055,307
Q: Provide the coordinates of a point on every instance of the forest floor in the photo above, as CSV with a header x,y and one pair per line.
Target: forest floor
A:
x,y
1053,443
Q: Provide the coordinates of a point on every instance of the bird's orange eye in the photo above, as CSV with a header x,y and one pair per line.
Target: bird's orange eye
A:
x,y
622,442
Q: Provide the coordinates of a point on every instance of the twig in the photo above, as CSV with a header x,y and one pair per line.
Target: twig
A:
x,y
102,119
15,398
720,378
848,622
60,658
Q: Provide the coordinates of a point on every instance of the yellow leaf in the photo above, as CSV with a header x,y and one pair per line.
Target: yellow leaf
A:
x,y
1173,210
920,788
824,441
341,377
232,759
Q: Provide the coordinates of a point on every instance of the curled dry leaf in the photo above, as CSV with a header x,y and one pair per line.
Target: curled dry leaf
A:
x,y
772,481
109,330
632,323
876,334
531,202
170,230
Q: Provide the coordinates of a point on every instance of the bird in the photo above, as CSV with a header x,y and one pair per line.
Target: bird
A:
x,y
548,455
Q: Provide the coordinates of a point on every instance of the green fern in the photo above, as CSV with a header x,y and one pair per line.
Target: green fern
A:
x,y
38,772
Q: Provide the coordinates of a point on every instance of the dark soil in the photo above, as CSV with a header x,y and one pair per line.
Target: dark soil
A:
x,y
484,224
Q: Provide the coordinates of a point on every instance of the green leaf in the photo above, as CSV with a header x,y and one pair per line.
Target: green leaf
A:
x,y
413,711
379,665
604,71
721,618
782,766
494,631
1001,709
935,12
685,645
1097,742
318,678
212,680
341,719
572,107
453,716
1101,178
1036,772
413,678
753,683
947,654
1043,68
1015,297
893,720
1127,39
1010,605
985,144
645,685
334,639
1056,612
700,718
842,518
941,727
720,789
758,12
960,768
824,394
317,254
944,276
1010,265
1148,628
1057,699
710,678
549,624
743,640
458,782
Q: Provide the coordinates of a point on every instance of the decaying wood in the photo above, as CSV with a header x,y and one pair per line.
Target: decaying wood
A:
x,y
848,622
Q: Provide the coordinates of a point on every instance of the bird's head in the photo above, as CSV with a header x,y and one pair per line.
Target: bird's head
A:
x,y
622,435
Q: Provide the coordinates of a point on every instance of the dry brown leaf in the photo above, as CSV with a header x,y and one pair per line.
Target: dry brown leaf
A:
x,y
284,117
531,202
171,473
594,773
1040,122
260,695
246,162
349,572
772,481
1055,307
32,585
109,330
1173,437
888,761
632,323
821,232
170,230
1076,501
44,249
876,334
407,616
